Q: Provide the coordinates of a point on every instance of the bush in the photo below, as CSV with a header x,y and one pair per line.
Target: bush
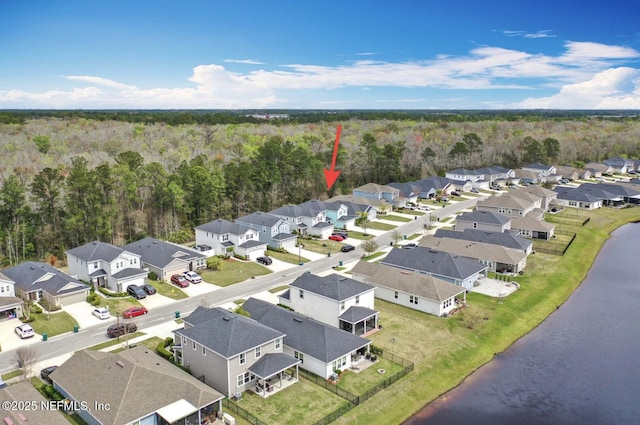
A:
x,y
152,276
113,294
376,350
161,349
35,309
241,257
214,263
168,341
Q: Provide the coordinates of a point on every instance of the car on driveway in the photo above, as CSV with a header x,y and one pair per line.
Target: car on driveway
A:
x,y
179,280
455,193
409,245
101,313
336,238
149,289
343,235
120,329
134,312
347,248
44,373
264,260
25,331
474,190
136,292
192,277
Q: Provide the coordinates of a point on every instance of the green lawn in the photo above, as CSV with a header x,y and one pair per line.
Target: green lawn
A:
x,y
417,213
287,257
393,217
12,374
150,343
320,246
168,289
359,235
234,271
372,256
57,323
301,403
445,351
359,383
118,305
376,225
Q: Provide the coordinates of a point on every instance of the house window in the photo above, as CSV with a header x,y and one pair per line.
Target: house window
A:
x,y
395,294
243,358
225,237
95,265
257,352
342,305
339,363
245,378
413,299
301,293
447,303
277,344
357,299
299,356
204,351
184,340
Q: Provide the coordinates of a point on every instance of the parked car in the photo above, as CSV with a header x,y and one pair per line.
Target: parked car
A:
x,y
192,277
343,235
409,245
120,329
149,289
179,280
424,208
44,373
134,312
336,238
347,248
25,331
2,384
455,193
264,260
474,190
101,313
136,292
444,199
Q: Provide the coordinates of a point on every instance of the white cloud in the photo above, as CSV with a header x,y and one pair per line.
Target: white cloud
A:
x,y
99,81
525,34
244,61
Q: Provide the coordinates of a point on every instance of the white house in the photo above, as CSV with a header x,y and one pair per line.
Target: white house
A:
x,y
225,238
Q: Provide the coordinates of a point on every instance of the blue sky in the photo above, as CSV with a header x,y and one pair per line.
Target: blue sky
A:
x,y
401,54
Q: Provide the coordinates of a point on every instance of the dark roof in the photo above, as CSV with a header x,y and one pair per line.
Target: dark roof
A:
x,y
160,253
22,392
32,276
509,239
227,333
96,250
259,219
272,363
222,227
537,166
252,243
130,272
135,383
482,216
355,314
303,334
296,211
433,262
333,286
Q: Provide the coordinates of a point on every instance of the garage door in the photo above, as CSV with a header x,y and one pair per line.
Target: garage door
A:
x,y
174,269
74,298
139,281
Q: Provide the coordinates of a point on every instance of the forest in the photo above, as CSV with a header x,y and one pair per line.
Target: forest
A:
x,y
70,177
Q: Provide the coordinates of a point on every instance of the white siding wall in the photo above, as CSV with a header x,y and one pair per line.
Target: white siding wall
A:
x,y
312,364
424,305
322,309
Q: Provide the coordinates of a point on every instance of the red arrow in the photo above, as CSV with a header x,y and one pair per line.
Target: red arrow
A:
x,y
332,175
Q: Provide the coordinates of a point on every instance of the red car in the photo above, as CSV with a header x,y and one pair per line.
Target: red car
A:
x,y
179,280
134,312
336,238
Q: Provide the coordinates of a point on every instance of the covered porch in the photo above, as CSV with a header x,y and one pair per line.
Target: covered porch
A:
x,y
359,321
274,372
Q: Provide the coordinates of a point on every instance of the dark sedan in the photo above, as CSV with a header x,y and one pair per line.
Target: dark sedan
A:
x,y
120,329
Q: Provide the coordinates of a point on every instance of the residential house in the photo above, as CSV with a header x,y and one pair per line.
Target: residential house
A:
x,y
357,206
584,173
499,258
228,238
619,165
336,300
547,196
306,219
586,195
598,169
106,266
29,405
465,179
630,195
528,176
10,305
567,172
320,348
409,289
272,230
133,387
166,258
379,192
498,174
408,191
507,238
508,205
37,281
533,226
449,267
487,221
543,169
225,350
339,213
434,185
575,198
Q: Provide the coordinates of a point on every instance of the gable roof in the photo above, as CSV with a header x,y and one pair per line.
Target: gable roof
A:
x,y
375,188
434,262
222,227
509,238
536,190
505,201
21,392
538,166
304,334
32,276
424,286
295,211
96,250
333,286
481,216
135,383
478,250
260,218
433,182
160,253
227,334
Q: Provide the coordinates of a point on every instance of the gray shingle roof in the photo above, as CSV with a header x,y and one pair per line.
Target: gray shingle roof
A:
x,y
159,253
96,250
227,333
222,227
260,219
480,216
355,314
272,363
27,277
433,262
303,334
22,392
509,239
333,286
295,211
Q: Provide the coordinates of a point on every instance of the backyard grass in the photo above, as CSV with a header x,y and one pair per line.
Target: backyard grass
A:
x,y
393,217
234,271
12,374
376,225
168,289
287,257
321,246
445,351
57,323
301,403
359,383
278,289
115,341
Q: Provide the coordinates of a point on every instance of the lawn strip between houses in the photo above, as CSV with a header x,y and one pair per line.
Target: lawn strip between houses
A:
x,y
52,324
234,271
445,351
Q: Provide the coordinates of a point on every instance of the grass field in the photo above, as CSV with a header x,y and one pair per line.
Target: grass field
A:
x,y
234,271
376,225
321,246
359,235
393,217
168,289
54,324
287,257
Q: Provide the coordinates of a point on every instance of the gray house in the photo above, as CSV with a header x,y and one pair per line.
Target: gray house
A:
x,y
306,219
449,267
10,305
487,221
231,352
166,258
227,238
272,230
338,213
37,281
379,192
508,238
321,348
134,387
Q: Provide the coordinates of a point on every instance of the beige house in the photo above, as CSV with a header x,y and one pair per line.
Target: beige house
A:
x,y
512,206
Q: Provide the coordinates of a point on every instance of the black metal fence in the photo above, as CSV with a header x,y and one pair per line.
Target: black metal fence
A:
x,y
555,247
239,411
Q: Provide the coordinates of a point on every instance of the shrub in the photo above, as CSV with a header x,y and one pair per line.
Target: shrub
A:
x,y
152,276
168,341
161,349
376,350
35,309
214,263
113,294
241,257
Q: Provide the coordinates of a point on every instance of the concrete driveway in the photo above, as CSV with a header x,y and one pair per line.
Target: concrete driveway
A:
x,y
9,340
156,300
82,313
202,288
